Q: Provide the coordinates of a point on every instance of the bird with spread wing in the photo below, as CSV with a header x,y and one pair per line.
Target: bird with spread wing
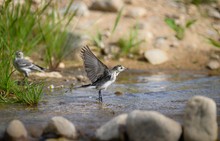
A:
x,y
97,72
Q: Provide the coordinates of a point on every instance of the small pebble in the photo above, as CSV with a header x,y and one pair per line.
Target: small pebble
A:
x,y
118,93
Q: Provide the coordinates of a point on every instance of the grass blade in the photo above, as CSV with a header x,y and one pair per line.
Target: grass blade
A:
x,y
117,20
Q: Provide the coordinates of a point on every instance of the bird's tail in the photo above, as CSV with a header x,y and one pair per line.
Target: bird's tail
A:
x,y
39,68
85,86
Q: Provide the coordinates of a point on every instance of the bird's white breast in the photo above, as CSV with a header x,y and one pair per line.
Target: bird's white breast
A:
x,y
108,83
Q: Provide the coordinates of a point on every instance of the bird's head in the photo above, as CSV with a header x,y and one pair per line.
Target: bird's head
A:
x,y
19,54
119,68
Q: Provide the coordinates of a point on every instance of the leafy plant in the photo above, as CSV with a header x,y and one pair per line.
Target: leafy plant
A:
x,y
180,30
98,39
131,41
18,25
18,31
30,94
55,36
118,17
214,42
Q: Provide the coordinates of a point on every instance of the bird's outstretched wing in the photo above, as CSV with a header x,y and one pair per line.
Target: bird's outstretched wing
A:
x,y
93,66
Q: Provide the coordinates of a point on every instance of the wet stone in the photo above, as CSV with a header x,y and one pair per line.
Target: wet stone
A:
x,y
152,126
16,131
60,127
200,122
107,5
111,130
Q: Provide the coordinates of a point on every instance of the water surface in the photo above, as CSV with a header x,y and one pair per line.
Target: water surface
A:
x,y
165,93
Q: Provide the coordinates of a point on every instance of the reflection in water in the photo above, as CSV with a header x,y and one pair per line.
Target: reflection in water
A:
x,y
164,93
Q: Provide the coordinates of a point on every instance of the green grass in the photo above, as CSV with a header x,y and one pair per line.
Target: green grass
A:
x,y
26,93
198,2
214,42
30,94
117,20
180,30
19,30
98,39
55,36
132,41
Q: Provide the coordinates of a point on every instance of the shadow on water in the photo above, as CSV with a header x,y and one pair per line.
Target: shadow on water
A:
x,y
165,93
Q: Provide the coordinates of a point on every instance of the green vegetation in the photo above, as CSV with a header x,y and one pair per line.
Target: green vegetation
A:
x,y
26,93
198,2
132,41
180,30
118,17
17,32
98,39
214,42
22,28
56,36
30,94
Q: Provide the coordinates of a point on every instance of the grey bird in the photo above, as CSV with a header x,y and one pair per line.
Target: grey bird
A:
x,y
24,66
98,73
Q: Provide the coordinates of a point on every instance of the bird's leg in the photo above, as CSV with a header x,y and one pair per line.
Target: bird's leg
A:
x,y
25,78
100,96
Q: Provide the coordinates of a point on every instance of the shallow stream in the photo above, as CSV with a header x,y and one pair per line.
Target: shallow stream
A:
x,y
165,93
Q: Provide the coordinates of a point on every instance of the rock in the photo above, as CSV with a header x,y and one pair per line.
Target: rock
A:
x,y
81,78
200,120
136,12
35,130
48,74
118,93
79,7
129,1
59,139
192,10
110,130
152,126
162,42
16,131
61,65
60,127
213,65
107,5
156,56
214,13
111,50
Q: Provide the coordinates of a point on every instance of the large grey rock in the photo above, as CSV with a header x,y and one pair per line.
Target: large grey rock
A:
x,y
59,126
136,12
156,56
214,13
107,5
152,126
213,64
110,130
200,120
79,7
16,131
